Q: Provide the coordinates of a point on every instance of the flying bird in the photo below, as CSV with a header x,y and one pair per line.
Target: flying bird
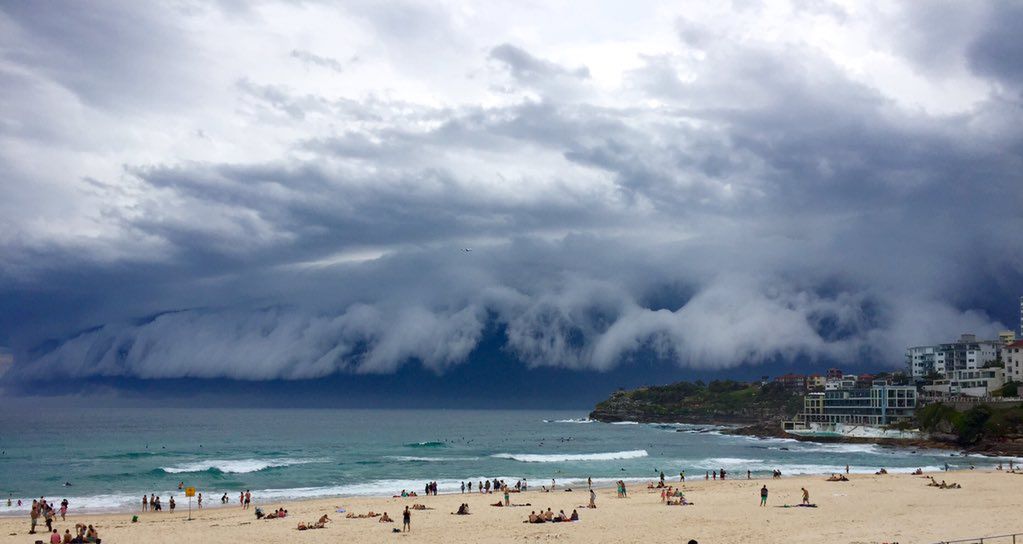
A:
x,y
467,249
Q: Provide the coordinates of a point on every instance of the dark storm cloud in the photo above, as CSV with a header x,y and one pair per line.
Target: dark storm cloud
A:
x,y
998,52
749,203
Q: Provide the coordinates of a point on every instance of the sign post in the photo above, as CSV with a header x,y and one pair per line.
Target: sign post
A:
x,y
189,492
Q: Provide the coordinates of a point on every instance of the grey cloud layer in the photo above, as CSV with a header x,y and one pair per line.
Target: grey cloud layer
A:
x,y
731,202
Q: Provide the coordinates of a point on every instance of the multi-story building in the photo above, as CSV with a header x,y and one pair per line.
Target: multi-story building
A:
x,y
1007,337
967,353
920,360
842,382
794,382
877,405
971,383
834,373
815,382
1012,356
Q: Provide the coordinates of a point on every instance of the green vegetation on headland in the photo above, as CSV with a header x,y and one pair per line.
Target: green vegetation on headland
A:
x,y
984,427
993,428
720,401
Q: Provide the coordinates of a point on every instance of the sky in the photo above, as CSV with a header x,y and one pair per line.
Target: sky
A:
x,y
272,194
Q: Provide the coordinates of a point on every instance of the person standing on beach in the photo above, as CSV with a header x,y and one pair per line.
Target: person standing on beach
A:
x,y
847,469
806,496
406,521
749,474
593,499
763,496
463,488
682,476
145,503
248,499
241,499
34,515
589,483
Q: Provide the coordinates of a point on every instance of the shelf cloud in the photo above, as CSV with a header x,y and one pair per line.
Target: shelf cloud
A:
x,y
215,194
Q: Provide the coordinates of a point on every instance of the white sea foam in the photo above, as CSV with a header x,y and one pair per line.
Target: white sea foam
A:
x,y
235,466
728,461
576,420
625,423
431,459
563,457
870,449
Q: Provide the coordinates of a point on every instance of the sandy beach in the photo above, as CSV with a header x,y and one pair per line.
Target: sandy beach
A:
x,y
888,508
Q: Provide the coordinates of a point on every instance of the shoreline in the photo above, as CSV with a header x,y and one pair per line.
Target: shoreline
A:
x,y
264,497
871,508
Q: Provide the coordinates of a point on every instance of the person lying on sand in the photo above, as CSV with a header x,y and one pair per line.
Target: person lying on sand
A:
x,y
837,478
418,506
386,519
498,504
370,514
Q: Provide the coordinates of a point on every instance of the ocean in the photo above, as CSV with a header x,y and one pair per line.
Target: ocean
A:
x,y
112,456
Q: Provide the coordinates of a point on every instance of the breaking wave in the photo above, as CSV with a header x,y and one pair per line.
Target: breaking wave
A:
x,y
565,457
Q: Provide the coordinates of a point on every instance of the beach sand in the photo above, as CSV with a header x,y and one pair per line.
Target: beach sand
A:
x,y
891,508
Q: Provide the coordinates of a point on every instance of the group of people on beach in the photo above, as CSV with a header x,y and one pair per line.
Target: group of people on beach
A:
x,y
46,511
550,517
673,497
490,486
943,485
152,503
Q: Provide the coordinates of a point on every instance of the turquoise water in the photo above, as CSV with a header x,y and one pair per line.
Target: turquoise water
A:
x,y
112,456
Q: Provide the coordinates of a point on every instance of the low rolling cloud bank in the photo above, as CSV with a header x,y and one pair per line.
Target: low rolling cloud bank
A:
x,y
218,195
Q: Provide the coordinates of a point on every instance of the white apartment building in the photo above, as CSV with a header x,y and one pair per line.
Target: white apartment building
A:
x,y
967,353
1012,356
971,383
920,360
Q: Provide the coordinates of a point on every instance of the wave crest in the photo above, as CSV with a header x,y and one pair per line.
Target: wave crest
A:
x,y
426,445
565,457
234,466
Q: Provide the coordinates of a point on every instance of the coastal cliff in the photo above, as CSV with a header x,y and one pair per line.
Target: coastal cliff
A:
x,y
719,402
758,410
